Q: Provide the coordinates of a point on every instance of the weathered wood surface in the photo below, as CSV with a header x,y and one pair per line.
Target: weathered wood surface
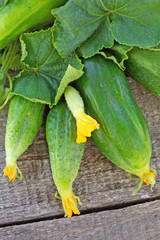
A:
x,y
140,222
100,184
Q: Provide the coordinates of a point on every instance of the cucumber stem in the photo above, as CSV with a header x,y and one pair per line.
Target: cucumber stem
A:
x,y
139,186
154,171
150,180
56,195
6,95
20,176
132,178
2,94
79,201
7,61
4,54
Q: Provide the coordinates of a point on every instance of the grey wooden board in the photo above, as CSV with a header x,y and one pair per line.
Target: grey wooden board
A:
x,y
140,222
99,184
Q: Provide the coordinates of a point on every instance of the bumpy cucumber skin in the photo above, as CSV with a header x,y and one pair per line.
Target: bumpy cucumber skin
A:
x,y
23,123
123,135
144,66
20,15
65,153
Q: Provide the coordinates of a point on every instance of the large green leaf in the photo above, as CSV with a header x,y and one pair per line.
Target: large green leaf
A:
x,y
47,74
157,48
94,24
102,37
118,53
3,2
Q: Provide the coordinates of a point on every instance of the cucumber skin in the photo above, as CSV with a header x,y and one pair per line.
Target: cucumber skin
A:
x,y
23,123
144,66
123,136
65,154
20,15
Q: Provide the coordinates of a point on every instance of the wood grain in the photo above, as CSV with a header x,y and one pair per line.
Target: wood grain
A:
x,y
99,184
137,222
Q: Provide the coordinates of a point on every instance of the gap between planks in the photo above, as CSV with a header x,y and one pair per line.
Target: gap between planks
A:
x,y
84,212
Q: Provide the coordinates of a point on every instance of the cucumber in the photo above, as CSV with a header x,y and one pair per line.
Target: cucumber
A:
x,y
144,66
123,136
65,154
17,16
23,123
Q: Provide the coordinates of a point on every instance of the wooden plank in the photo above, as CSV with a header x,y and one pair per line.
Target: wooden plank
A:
x,y
99,183
134,223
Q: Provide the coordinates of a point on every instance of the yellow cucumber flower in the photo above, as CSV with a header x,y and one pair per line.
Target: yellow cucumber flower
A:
x,y
69,202
12,172
148,178
85,123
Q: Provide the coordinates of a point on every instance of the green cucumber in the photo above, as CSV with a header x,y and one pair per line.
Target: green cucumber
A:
x,y
17,16
65,154
144,66
123,136
23,123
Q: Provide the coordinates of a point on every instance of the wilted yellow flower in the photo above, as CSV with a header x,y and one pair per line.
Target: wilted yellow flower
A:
x,y
149,178
69,203
11,172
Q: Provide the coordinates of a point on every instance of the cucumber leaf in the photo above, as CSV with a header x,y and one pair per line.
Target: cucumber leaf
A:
x,y
92,25
118,53
81,23
47,74
3,2
1,55
99,39
157,48
70,75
